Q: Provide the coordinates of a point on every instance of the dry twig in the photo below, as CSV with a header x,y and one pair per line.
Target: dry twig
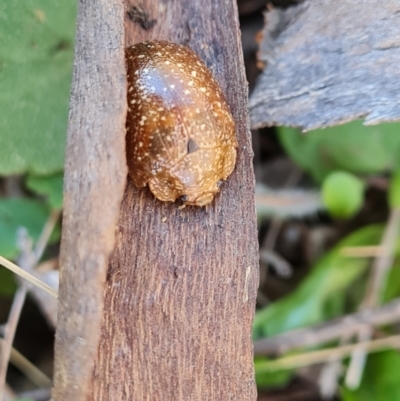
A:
x,y
28,259
329,331
320,356
27,276
34,374
375,287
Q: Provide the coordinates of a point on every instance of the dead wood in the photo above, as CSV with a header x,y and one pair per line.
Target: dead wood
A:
x,y
327,63
172,319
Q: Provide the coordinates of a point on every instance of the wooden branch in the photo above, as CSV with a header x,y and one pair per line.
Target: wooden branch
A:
x,y
329,331
181,287
95,177
329,62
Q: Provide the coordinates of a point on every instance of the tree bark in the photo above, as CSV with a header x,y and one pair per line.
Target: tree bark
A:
x,y
327,63
156,303
94,181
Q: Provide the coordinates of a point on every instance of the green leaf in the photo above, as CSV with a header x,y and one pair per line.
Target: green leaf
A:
x,y
380,380
394,190
392,289
265,378
49,186
352,147
342,194
321,294
16,213
7,282
36,54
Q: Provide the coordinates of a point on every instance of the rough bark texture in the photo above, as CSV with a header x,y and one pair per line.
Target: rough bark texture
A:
x,y
180,291
95,178
329,62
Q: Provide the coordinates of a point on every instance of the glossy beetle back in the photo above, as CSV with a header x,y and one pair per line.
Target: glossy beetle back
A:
x,y
180,133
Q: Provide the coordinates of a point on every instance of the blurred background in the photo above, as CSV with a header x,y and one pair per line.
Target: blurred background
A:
x,y
328,219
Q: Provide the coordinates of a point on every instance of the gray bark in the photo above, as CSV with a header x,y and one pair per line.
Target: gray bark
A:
x,y
329,62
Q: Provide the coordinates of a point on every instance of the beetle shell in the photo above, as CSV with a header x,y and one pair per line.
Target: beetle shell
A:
x,y
180,133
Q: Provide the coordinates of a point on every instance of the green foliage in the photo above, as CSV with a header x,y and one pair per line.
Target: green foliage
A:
x,y
342,194
394,190
7,282
265,378
352,147
320,296
392,289
36,56
334,157
380,380
16,213
49,186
